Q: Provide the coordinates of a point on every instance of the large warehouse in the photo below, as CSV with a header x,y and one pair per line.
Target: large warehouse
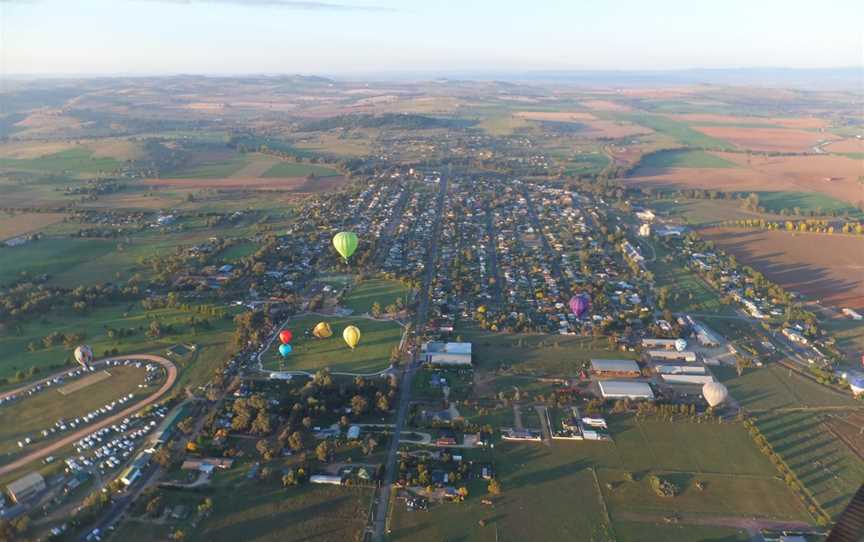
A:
x,y
615,367
623,389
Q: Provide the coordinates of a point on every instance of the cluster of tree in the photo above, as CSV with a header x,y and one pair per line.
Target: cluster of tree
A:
x,y
32,298
252,415
802,226
12,530
663,487
252,327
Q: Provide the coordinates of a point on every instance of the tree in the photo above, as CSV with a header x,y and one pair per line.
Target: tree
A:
x,y
295,441
186,425
383,404
376,309
261,425
265,449
290,479
494,487
163,457
323,452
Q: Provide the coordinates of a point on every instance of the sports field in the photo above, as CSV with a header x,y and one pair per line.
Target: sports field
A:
x,y
372,354
383,291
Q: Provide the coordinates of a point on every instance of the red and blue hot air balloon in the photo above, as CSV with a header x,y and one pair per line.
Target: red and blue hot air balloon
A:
x,y
579,304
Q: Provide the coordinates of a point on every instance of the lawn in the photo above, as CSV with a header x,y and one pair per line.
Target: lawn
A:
x,y
74,162
238,251
371,355
294,169
772,387
13,342
823,463
585,163
630,531
384,291
683,159
537,354
688,292
29,416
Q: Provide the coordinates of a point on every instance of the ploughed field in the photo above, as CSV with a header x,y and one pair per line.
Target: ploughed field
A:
x,y
820,266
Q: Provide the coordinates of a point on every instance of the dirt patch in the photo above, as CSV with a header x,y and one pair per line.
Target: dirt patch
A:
x,y
835,176
820,266
767,139
82,383
846,145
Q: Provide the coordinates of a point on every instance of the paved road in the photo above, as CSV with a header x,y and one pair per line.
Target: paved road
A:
x,y
71,438
383,499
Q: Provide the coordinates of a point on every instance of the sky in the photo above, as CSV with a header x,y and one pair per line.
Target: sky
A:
x,y
344,37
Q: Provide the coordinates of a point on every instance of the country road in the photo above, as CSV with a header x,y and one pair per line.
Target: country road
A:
x,y
170,368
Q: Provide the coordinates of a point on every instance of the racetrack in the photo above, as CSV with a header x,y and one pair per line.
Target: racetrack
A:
x,y
170,368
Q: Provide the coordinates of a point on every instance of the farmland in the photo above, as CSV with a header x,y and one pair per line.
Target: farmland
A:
x,y
820,266
293,169
682,159
75,162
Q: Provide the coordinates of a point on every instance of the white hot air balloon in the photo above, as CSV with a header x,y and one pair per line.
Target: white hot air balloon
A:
x,y
715,393
84,355
680,345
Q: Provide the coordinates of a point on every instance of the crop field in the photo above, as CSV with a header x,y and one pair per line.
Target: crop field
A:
x,y
684,134
707,119
50,255
766,139
820,266
807,202
16,356
682,159
830,175
823,463
74,162
383,291
293,169
371,355
24,223
30,415
537,354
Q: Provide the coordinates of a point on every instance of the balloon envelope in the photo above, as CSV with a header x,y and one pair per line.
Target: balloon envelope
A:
x,y
285,336
322,330
345,243
83,354
579,304
715,393
351,335
285,349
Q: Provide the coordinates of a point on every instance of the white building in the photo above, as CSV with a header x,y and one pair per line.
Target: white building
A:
x,y
453,354
624,389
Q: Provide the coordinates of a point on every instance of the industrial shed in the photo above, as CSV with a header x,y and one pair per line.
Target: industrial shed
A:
x,y
452,354
26,487
615,367
686,355
687,379
623,389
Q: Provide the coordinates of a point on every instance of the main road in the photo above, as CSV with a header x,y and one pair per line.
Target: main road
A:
x,y
383,498
45,451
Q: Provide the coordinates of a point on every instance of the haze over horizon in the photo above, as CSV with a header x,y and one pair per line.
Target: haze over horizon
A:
x,y
351,37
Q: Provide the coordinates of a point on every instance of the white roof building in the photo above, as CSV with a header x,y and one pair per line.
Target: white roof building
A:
x,y
441,353
621,389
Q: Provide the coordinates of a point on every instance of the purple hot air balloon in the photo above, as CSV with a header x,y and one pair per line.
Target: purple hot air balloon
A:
x,y
579,304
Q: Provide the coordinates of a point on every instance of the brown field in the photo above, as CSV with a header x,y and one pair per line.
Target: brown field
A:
x,y
293,184
819,266
802,123
848,428
835,176
766,139
604,105
846,145
84,382
26,150
23,223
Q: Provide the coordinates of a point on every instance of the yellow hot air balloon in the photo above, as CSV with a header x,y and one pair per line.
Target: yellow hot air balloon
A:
x,y
322,330
351,335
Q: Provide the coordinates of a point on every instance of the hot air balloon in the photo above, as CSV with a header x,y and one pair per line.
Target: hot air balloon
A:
x,y
83,355
285,349
322,330
680,345
285,336
351,335
715,393
345,243
579,304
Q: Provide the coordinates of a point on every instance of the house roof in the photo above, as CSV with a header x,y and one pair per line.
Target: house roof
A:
x,y
624,388
25,483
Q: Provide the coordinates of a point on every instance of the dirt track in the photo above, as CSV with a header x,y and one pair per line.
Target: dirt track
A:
x,y
71,438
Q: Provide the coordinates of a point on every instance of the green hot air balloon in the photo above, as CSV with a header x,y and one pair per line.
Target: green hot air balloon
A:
x,y
345,243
